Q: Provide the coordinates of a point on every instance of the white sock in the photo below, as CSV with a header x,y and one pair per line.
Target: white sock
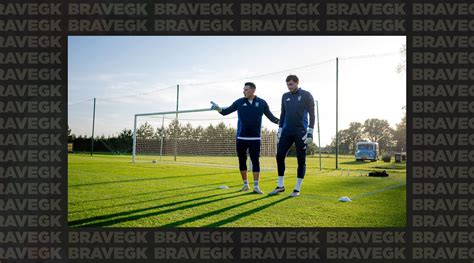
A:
x,y
298,184
255,184
246,182
281,181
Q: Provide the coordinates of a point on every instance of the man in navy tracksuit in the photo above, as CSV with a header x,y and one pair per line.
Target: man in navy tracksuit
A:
x,y
250,109
295,127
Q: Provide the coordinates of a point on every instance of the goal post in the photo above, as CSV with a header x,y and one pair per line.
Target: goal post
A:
x,y
162,114
200,137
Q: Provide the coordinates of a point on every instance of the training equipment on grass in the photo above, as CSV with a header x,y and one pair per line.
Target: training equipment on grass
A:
x,y
199,137
345,199
223,187
378,174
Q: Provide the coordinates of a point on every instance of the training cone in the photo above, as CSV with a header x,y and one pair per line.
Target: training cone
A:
x,y
345,199
223,187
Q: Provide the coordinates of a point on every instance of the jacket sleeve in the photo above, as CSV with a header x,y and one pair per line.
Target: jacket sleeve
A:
x,y
269,114
283,111
230,109
310,109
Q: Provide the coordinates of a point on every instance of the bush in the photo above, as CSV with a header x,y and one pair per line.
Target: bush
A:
x,y
386,157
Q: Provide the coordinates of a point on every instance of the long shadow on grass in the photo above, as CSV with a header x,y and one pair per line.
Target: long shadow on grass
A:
x,y
147,193
146,179
212,213
160,191
141,202
88,221
246,213
147,201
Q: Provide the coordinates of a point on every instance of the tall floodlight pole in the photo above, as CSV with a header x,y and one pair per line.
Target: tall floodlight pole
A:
x,y
93,127
134,152
176,128
319,136
162,136
337,113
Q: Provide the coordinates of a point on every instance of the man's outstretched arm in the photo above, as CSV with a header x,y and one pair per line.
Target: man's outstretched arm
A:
x,y
224,111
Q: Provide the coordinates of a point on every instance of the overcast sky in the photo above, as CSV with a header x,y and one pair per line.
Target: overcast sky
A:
x,y
130,75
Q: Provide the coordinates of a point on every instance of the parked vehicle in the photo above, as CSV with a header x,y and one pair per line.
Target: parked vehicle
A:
x,y
367,151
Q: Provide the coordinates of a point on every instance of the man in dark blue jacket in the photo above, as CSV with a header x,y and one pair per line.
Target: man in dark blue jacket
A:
x,y
249,109
295,127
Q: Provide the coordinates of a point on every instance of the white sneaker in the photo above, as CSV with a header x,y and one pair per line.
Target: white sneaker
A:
x,y
295,193
277,190
257,190
245,188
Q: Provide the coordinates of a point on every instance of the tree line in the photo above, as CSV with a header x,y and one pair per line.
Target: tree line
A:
x,y
211,140
374,130
200,139
220,136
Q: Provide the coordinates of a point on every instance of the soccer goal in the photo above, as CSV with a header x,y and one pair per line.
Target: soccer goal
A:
x,y
195,137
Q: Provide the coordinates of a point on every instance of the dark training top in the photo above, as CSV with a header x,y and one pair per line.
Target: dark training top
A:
x,y
295,108
249,124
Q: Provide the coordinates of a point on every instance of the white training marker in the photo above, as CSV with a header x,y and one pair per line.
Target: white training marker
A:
x,y
345,199
223,187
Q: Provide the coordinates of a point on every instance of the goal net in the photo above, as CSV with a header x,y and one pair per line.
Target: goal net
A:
x,y
196,137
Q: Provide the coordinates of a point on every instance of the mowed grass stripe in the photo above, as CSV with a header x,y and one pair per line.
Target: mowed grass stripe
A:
x,y
107,190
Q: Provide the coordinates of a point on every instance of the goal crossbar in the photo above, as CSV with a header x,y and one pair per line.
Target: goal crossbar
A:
x,y
155,113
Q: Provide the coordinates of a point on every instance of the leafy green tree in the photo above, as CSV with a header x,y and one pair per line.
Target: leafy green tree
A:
x,y
400,134
70,136
145,131
125,134
198,133
159,132
343,142
353,135
348,138
173,130
377,130
187,132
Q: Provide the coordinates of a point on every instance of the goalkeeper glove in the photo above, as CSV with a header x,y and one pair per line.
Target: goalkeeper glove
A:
x,y
279,134
215,107
308,138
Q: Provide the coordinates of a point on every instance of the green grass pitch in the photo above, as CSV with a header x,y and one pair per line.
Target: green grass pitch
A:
x,y
111,191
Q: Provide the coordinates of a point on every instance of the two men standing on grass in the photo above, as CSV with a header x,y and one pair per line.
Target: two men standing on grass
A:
x,y
294,127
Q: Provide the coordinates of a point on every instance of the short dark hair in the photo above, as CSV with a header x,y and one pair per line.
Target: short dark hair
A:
x,y
292,77
250,84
